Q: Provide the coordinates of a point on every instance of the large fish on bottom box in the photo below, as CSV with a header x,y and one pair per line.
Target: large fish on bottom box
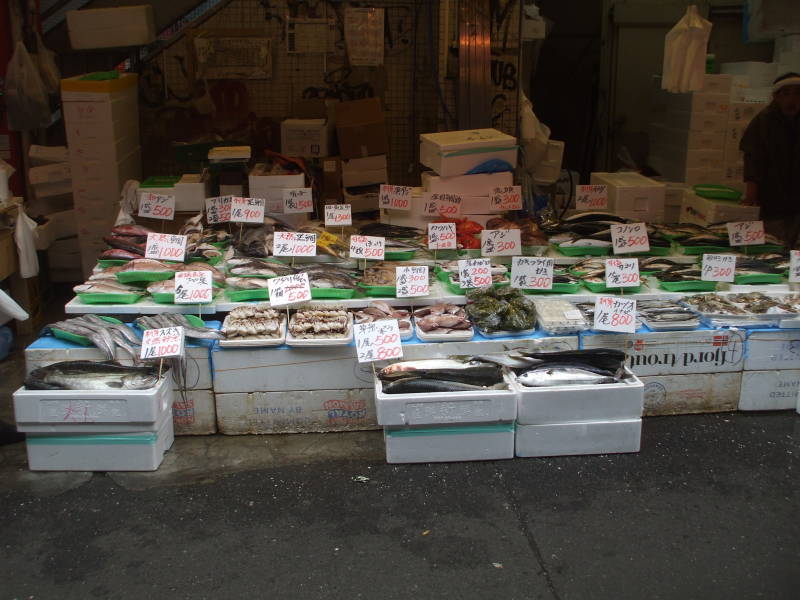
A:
x,y
89,375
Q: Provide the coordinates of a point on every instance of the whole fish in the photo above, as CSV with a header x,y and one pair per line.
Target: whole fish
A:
x,y
593,216
108,274
419,385
131,244
246,283
162,287
147,264
101,342
119,254
589,242
88,375
260,268
428,364
131,230
106,287
553,376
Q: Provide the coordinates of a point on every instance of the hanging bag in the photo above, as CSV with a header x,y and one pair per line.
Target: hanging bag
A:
x,y
26,96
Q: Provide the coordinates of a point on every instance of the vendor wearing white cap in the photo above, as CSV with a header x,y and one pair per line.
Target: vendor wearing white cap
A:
x,y
771,146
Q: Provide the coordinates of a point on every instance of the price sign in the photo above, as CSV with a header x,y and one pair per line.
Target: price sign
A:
x,y
157,206
291,243
396,197
718,267
591,197
615,314
746,233
622,272
218,210
475,273
442,236
338,215
162,343
794,266
506,198
165,246
379,340
297,200
193,287
247,210
441,205
367,246
500,242
412,281
630,237
289,289
532,273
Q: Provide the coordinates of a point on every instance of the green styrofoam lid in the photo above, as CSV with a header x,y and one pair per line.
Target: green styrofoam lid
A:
x,y
160,181
717,192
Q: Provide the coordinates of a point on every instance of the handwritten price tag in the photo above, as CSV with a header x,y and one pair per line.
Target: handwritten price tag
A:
x,y
746,233
475,273
396,197
289,289
367,246
794,266
291,243
165,246
157,206
442,236
591,197
615,314
630,237
500,242
412,281
379,340
532,273
506,198
218,210
297,200
441,205
247,210
622,272
162,343
338,215
193,287
718,267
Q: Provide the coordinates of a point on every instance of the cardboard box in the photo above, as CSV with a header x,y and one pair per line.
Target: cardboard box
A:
x,y
111,27
308,138
46,155
705,211
50,180
371,170
263,185
452,153
744,112
64,254
772,349
332,179
693,121
481,184
361,128
689,394
698,102
769,390
633,195
686,139
194,412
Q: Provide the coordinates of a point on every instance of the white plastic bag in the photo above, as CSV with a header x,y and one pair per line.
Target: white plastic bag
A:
x,y
26,96
128,203
48,70
685,49
25,235
10,309
533,133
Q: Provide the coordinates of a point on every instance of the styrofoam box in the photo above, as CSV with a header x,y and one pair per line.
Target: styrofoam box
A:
x,y
717,83
631,192
271,186
704,211
451,153
769,390
480,184
194,412
484,406
370,170
296,411
698,102
757,73
568,439
779,349
693,121
46,155
686,139
141,451
111,27
453,443
310,138
675,352
690,394
579,403
744,112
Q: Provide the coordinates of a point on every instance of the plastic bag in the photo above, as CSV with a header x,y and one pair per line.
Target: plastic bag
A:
x,y
9,309
26,96
685,49
25,236
48,70
128,203
534,134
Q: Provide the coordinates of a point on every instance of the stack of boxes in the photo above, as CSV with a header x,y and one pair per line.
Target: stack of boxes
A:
x,y
102,125
633,196
268,181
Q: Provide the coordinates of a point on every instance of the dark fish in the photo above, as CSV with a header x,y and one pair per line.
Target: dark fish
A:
x,y
131,231
419,385
603,358
481,374
88,375
125,243
593,216
119,254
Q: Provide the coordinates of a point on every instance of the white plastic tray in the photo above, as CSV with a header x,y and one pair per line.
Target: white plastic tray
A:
x,y
501,334
458,335
254,342
670,326
339,341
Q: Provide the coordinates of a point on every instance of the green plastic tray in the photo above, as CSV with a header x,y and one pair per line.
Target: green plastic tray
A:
x,y
759,278
211,261
687,286
717,192
332,293
400,255
194,321
695,250
458,290
584,251
121,298
558,288
141,276
760,248
599,288
79,339
654,251
112,262
245,295
381,291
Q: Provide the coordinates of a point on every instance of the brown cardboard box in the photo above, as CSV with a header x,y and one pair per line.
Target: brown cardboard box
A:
x,y
361,128
332,178
357,172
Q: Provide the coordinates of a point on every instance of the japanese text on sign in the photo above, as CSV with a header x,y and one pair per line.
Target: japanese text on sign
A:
x,y
247,210
622,272
444,205
396,197
718,267
218,210
297,200
379,340
591,197
367,246
794,266
615,314
193,287
294,243
532,273
500,242
442,236
289,289
338,215
157,206
506,198
630,237
746,233
475,273
412,281
165,246
162,343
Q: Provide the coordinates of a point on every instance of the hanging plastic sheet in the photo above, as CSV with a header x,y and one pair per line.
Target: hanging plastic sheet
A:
x,y
25,237
685,50
26,95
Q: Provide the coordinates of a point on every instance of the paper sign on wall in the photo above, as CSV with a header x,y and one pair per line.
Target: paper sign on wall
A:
x,y
247,210
289,289
506,198
297,200
395,197
442,236
474,273
193,287
367,246
165,246
718,267
629,237
746,233
591,197
338,215
157,206
615,314
500,242
532,273
218,210
622,272
379,340
162,343
412,282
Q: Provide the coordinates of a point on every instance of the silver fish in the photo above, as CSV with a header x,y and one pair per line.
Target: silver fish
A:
x,y
546,377
88,375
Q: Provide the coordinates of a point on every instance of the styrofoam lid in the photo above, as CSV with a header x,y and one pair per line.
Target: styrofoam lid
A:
x,y
468,138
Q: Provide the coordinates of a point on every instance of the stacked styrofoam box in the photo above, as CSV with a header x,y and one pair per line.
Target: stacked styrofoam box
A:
x,y
771,377
787,54
706,211
633,196
452,153
262,184
95,430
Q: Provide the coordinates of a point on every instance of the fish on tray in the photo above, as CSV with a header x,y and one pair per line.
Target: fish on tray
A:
x,y
105,335
442,319
164,320
119,254
89,375
106,287
572,367
329,276
246,283
440,375
380,311
254,267
253,322
147,264
217,276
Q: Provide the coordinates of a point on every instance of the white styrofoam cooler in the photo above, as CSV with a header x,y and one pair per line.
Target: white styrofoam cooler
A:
x,y
85,411
480,441
772,349
565,439
579,403
769,390
692,393
194,412
142,451
452,153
